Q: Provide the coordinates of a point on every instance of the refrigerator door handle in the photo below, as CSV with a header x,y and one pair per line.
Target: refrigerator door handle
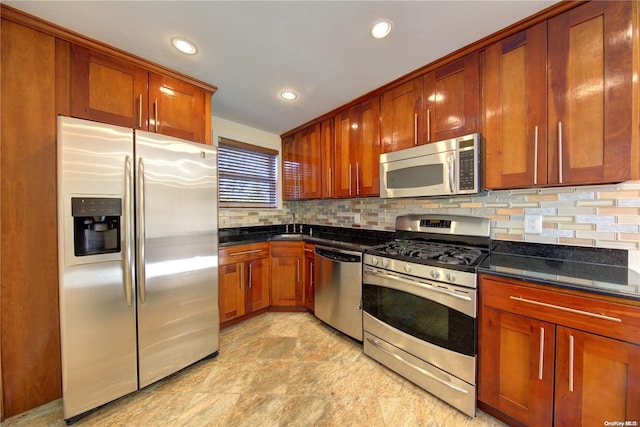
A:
x,y
128,232
140,205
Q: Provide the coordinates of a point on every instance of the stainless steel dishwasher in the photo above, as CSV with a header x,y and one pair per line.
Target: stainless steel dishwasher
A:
x,y
338,289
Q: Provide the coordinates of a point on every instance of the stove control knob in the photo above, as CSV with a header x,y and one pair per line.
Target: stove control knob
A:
x,y
385,263
435,274
374,261
451,277
407,268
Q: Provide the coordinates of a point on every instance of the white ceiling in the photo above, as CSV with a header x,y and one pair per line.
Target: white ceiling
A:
x,y
251,50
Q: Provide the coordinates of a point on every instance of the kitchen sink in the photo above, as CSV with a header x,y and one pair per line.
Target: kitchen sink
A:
x,y
287,236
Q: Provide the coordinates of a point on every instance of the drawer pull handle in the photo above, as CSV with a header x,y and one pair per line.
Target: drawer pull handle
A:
x,y
571,310
255,251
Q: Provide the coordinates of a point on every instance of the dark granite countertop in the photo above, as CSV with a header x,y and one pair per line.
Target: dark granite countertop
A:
x,y
339,237
602,271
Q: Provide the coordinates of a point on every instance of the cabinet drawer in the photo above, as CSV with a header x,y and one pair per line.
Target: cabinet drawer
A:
x,y
241,253
611,319
286,249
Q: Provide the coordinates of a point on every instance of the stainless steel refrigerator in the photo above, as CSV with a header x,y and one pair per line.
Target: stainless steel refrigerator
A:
x,y
138,259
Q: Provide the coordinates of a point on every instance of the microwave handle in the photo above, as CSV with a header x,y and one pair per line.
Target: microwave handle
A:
x,y
451,160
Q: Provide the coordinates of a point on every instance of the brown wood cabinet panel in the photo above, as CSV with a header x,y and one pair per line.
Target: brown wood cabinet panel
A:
x,y
243,279
452,99
287,274
597,380
591,95
516,356
302,164
107,89
357,150
177,108
258,277
309,283
515,132
402,116
612,319
30,340
328,159
231,291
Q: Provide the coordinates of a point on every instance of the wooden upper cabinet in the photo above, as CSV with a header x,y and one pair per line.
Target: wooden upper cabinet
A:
x,y
178,108
108,90
357,150
327,156
591,94
515,110
115,91
402,116
302,154
452,99
290,166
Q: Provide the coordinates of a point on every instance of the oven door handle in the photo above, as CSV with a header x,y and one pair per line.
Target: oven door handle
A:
x,y
419,284
417,368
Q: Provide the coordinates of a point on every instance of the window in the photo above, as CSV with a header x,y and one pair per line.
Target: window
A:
x,y
247,175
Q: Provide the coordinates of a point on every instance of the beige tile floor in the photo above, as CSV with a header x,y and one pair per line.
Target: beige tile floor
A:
x,y
278,369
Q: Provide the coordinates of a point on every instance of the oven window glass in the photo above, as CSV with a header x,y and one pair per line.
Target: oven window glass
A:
x,y
416,176
422,318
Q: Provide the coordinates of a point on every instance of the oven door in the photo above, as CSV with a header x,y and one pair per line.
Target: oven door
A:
x,y
425,319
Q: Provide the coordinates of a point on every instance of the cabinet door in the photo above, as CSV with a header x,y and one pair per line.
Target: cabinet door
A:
x,y
597,380
402,116
452,99
231,290
591,95
515,134
344,148
108,90
328,160
308,276
367,162
311,164
258,277
291,168
516,370
177,108
287,274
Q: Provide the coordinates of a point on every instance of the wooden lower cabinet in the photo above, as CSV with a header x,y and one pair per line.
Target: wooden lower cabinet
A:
x,y
541,365
287,274
516,373
243,280
309,285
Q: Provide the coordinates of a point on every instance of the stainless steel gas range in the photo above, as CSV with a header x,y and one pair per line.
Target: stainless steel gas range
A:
x,y
420,307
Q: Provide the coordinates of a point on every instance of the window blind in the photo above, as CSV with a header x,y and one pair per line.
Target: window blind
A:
x,y
247,175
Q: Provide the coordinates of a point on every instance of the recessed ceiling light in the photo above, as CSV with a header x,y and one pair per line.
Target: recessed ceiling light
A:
x,y
381,29
184,45
288,95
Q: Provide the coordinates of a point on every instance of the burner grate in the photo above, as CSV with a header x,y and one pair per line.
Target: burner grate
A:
x,y
428,251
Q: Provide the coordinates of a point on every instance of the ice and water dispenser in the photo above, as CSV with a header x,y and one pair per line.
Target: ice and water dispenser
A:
x,y
96,225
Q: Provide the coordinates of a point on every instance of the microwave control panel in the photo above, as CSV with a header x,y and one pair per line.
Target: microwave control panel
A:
x,y
467,170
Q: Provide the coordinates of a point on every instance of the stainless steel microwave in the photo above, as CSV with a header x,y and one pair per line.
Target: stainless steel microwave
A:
x,y
443,168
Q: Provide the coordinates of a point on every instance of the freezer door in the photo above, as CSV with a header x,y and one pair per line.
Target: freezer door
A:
x,y
177,254
97,298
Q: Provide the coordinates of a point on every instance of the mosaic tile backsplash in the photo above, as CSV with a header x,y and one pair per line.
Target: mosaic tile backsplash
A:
x,y
598,216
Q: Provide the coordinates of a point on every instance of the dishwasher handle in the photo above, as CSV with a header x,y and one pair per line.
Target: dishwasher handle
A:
x,y
339,255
